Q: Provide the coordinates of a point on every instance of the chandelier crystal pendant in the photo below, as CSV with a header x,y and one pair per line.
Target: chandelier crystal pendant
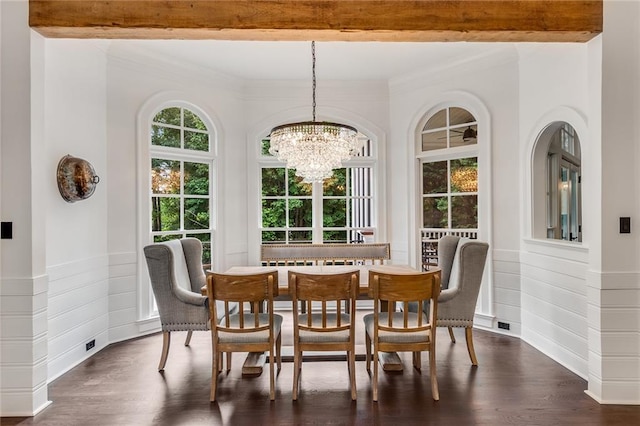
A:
x,y
314,148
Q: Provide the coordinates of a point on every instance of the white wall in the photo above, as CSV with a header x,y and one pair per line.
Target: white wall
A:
x,y
488,87
23,286
136,81
554,87
614,276
76,233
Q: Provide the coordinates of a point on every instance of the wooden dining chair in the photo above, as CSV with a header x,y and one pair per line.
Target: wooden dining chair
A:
x,y
324,320
389,330
251,328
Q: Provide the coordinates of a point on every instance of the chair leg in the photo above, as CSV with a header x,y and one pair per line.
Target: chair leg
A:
x,y
368,348
375,374
215,369
417,360
188,339
432,370
352,373
228,361
272,381
279,351
453,338
166,342
470,349
296,371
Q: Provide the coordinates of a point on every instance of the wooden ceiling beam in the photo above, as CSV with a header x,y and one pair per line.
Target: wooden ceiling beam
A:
x,y
340,20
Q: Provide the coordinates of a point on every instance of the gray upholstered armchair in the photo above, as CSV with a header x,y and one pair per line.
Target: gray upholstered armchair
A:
x,y
462,263
175,269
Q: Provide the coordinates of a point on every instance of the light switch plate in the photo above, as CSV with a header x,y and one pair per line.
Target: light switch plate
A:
x,y
625,225
6,230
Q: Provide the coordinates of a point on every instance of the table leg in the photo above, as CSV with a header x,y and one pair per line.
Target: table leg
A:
x,y
255,360
253,364
390,361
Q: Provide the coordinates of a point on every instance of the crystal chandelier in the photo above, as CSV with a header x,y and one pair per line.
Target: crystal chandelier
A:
x,y
314,148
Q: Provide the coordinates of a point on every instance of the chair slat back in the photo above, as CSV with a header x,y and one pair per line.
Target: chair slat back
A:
x,y
318,291
249,291
324,287
243,288
389,290
404,287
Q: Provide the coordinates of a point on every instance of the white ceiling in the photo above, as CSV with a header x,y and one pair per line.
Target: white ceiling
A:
x,y
285,60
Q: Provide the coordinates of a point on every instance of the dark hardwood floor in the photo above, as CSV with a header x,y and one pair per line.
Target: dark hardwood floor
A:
x,y
514,384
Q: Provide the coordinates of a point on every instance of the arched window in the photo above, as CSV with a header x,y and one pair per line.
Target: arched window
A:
x,y
181,202
176,186
448,161
557,190
338,210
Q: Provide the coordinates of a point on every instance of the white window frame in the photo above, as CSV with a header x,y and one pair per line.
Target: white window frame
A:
x,y
447,154
147,315
317,196
449,194
482,150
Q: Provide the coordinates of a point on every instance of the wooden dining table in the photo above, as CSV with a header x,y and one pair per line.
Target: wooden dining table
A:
x,y
255,360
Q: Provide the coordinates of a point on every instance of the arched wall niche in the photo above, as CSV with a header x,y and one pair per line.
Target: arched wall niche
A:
x,y
538,169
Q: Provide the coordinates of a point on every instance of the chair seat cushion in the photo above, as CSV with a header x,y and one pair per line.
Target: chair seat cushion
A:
x,y
397,337
250,337
307,336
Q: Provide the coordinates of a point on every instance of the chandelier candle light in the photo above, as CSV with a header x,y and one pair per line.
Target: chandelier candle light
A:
x,y
314,148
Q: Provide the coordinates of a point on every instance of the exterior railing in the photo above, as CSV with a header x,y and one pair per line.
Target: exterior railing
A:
x,y
430,238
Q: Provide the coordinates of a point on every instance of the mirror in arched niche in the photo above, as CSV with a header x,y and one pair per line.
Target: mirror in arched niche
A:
x,y
557,182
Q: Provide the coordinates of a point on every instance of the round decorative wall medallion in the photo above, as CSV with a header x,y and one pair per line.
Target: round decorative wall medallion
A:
x,y
77,179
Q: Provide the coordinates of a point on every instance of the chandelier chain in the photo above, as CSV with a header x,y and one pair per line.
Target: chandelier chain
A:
x,y
313,71
314,149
